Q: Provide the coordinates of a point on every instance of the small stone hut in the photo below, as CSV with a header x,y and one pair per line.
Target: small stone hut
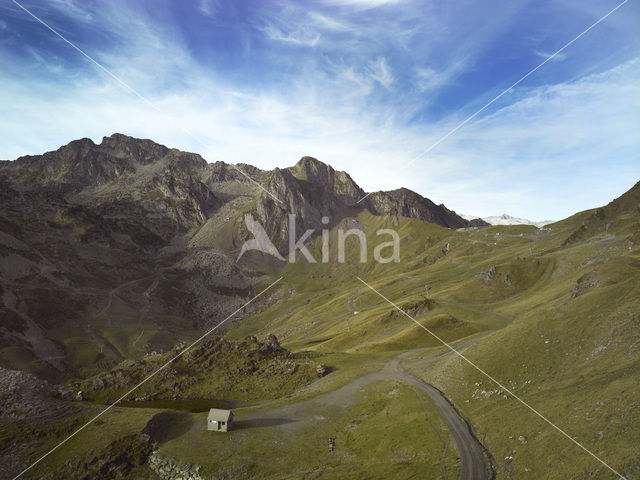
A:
x,y
220,420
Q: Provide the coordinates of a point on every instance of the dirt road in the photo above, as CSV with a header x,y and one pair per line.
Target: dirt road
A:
x,y
474,464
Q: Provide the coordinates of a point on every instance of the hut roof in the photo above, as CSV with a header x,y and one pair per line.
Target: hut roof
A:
x,y
219,414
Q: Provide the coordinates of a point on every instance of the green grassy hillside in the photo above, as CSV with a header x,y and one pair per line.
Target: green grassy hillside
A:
x,y
551,313
559,307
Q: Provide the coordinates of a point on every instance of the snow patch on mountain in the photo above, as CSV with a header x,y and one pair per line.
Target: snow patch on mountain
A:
x,y
505,219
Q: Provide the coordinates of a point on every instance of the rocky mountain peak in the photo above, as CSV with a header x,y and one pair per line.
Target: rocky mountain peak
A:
x,y
78,164
322,176
312,170
173,191
283,185
308,160
182,162
82,144
142,151
407,203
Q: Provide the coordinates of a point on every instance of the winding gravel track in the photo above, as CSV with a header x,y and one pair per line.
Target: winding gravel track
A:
x,y
474,464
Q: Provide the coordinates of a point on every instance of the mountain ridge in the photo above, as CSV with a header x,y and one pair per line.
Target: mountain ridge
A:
x,y
80,222
83,163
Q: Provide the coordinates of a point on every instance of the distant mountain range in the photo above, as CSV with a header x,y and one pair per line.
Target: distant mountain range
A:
x,y
131,231
505,219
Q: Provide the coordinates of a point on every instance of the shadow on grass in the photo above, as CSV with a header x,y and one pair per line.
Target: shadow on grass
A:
x,y
261,422
313,342
166,426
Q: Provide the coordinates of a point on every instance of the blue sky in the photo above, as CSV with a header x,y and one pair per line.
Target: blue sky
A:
x,y
364,85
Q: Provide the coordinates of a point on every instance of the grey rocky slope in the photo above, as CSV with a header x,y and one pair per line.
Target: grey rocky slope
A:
x,y
111,250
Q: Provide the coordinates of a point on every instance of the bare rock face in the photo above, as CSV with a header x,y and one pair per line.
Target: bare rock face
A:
x,y
131,225
478,222
76,165
273,213
323,176
141,151
406,203
312,190
169,469
23,394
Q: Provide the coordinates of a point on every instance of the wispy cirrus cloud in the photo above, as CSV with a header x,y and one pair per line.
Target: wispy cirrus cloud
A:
x,y
303,37
209,7
380,72
362,4
428,79
546,145
545,55
328,23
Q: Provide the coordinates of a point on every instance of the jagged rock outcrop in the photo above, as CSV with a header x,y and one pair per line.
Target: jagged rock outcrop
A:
x,y
312,190
406,203
215,365
23,395
169,469
331,183
272,343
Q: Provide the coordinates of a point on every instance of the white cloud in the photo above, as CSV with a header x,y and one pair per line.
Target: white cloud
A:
x,y
380,72
73,9
325,22
542,145
429,79
545,55
362,4
298,37
553,151
209,7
